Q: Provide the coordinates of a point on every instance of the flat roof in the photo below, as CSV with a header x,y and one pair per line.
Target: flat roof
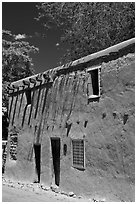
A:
x,y
108,54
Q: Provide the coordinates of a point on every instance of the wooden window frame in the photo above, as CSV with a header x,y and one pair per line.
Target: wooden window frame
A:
x,y
81,167
90,83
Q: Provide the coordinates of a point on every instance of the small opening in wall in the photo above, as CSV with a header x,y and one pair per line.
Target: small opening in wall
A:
x,y
65,149
85,123
28,96
125,118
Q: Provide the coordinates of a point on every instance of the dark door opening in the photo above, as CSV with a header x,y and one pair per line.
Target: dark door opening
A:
x,y
37,150
55,144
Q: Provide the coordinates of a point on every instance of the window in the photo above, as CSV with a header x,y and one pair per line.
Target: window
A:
x,y
13,146
94,82
28,96
65,149
78,153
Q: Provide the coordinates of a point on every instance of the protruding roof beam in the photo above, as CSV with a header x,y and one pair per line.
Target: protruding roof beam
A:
x,y
32,80
15,86
26,82
10,87
39,78
45,75
81,64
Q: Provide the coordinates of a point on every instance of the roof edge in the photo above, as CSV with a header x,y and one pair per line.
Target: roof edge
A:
x,y
49,75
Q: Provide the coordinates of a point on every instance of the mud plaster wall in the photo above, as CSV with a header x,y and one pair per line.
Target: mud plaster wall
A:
x,y
61,110
110,133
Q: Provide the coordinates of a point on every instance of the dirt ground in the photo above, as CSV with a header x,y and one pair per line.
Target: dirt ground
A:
x,y
15,191
10,194
21,192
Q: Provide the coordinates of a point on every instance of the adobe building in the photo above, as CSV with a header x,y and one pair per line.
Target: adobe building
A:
x,y
75,122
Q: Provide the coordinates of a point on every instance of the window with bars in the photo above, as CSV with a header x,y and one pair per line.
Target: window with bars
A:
x,y
78,153
13,146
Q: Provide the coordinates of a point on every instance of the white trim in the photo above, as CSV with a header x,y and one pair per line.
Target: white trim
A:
x,y
93,96
93,68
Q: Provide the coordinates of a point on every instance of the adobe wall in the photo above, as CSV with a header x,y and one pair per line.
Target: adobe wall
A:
x,y
110,148
109,134
61,108
54,106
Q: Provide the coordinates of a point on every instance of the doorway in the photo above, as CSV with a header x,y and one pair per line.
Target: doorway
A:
x,y
55,146
37,150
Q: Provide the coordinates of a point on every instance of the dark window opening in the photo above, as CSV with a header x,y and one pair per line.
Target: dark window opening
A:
x,y
28,96
65,149
93,86
78,153
55,145
95,81
37,151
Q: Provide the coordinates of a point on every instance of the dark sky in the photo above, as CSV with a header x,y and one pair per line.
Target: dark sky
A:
x,y
18,17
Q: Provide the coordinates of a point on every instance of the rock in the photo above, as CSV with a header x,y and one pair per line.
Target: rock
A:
x,y
63,193
22,185
45,188
103,200
16,185
56,191
54,187
95,200
74,196
11,185
99,200
36,190
71,194
29,185
25,188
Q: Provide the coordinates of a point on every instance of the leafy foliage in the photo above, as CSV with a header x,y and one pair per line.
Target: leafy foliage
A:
x,y
16,64
88,27
16,61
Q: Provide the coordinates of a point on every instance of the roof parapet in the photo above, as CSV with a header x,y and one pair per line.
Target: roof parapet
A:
x,y
97,58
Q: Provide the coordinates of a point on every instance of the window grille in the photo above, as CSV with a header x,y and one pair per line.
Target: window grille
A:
x,y
13,146
78,153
